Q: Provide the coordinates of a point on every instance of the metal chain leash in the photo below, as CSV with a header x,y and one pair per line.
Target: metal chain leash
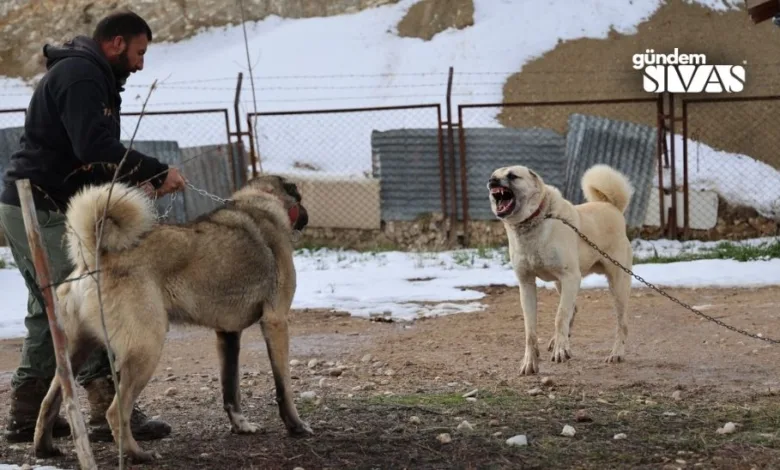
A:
x,y
296,234
213,197
657,289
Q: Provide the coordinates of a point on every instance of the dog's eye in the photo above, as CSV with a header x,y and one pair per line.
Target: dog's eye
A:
x,y
511,176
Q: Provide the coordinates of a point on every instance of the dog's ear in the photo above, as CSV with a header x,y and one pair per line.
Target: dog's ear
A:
x,y
533,175
292,190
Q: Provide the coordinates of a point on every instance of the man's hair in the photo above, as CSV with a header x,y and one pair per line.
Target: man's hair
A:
x,y
124,23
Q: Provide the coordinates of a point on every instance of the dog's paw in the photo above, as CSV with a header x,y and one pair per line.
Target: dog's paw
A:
x,y
561,352
244,427
47,452
300,429
140,456
530,365
618,354
614,358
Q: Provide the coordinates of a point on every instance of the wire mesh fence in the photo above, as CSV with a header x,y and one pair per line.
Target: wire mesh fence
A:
x,y
357,167
733,165
560,141
197,142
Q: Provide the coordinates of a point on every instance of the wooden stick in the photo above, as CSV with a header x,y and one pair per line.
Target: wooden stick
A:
x,y
64,371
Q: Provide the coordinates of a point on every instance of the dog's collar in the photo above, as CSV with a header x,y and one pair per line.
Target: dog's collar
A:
x,y
292,213
535,214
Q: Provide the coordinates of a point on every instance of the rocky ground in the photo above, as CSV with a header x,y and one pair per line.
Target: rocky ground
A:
x,y
447,393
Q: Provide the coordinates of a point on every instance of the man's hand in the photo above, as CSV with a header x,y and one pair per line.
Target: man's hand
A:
x,y
148,189
174,181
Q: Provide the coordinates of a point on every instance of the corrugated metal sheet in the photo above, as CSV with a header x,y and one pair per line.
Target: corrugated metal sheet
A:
x,y
207,168
542,150
626,146
168,152
9,143
406,161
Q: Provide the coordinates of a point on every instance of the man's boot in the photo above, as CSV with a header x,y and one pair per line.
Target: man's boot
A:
x,y
25,405
100,393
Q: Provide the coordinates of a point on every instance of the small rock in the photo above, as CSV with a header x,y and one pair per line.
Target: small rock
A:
x,y
308,396
670,413
568,431
535,391
295,363
357,388
322,382
472,393
519,440
620,436
335,372
498,434
494,422
169,369
415,420
171,391
465,426
547,381
170,378
389,372
452,384
471,399
677,395
727,428
204,455
312,363
298,468
581,416
367,358
444,438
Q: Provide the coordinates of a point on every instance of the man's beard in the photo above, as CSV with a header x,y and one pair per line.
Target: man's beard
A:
x,y
121,68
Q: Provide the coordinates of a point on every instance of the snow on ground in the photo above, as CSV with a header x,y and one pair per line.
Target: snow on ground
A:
x,y
413,285
739,179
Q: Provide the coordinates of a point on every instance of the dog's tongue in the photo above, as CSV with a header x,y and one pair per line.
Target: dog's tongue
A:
x,y
502,205
293,214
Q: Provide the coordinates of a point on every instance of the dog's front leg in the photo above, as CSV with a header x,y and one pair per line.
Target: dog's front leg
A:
x,y
275,331
528,303
229,347
570,286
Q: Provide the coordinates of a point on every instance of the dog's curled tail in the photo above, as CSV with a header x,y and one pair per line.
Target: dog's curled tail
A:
x,y
130,215
603,183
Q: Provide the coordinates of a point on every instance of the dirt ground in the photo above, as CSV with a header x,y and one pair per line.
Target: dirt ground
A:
x,y
683,379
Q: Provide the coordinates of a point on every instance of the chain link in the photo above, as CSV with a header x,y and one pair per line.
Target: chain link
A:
x,y
660,291
213,197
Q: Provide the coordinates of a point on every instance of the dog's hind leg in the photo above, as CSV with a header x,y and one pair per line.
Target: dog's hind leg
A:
x,y
274,325
620,287
43,440
229,347
570,286
571,322
530,364
136,362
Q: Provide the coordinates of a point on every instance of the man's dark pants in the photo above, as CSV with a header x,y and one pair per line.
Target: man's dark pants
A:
x,y
38,360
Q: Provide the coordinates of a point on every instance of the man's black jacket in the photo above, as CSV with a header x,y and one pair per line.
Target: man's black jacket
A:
x,y
71,131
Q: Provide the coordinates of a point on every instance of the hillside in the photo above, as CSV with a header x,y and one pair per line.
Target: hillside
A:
x,y
363,53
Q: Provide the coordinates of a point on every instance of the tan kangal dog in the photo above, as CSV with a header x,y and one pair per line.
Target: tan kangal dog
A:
x,y
227,270
545,248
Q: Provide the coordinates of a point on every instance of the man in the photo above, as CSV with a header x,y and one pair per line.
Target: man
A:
x,y
72,139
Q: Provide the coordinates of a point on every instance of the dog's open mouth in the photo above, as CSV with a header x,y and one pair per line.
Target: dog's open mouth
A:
x,y
505,200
